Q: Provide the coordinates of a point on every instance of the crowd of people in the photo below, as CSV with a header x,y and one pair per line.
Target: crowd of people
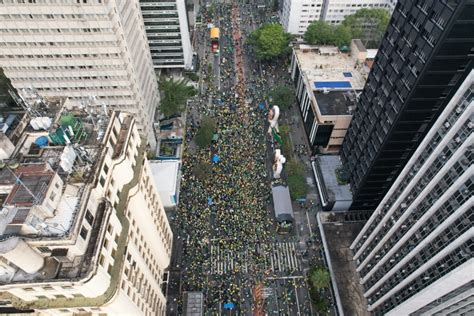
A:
x,y
228,206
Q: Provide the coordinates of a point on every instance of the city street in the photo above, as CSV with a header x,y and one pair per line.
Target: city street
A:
x,y
226,244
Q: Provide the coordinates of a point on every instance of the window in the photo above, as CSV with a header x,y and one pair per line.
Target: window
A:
x,y
102,181
28,289
109,229
106,168
48,288
44,249
84,232
52,196
109,270
101,260
89,217
106,243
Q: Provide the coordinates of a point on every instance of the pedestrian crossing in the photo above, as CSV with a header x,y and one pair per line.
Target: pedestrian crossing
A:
x,y
272,257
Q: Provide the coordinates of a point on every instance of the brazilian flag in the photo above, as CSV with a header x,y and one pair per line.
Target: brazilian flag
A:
x,y
277,136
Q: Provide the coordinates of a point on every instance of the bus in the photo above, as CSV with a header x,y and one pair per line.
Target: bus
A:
x,y
283,209
215,40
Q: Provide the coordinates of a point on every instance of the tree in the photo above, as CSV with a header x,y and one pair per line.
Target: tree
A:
x,y
202,170
342,36
319,32
205,132
368,25
294,167
319,278
323,33
296,180
283,96
270,41
174,96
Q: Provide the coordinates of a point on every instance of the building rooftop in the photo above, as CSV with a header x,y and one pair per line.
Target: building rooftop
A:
x,y
359,45
63,143
336,102
371,53
31,183
194,303
339,233
328,165
329,68
165,169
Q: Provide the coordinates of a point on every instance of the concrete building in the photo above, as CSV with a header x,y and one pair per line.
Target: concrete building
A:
x,y
170,170
296,15
334,194
87,51
327,83
166,25
415,253
425,55
82,226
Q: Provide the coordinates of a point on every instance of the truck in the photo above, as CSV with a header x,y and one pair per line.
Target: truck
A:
x,y
215,40
283,209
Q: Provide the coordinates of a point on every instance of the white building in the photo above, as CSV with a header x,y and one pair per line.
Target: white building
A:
x,y
166,25
414,255
296,15
81,50
327,82
82,227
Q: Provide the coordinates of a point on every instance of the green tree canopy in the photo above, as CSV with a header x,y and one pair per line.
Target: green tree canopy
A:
x,y
283,96
319,278
298,186
175,93
202,170
205,132
323,33
270,41
296,180
368,25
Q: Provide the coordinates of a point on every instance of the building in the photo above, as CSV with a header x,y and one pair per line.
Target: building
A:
x,y
334,192
88,51
193,303
82,227
166,25
425,55
296,15
415,254
169,169
327,83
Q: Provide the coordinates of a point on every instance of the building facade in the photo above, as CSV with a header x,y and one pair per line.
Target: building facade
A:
x,y
327,83
83,229
296,15
166,25
415,254
425,55
81,50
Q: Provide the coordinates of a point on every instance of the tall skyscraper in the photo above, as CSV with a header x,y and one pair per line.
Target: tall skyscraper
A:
x,y
296,15
166,25
415,254
82,226
81,50
425,55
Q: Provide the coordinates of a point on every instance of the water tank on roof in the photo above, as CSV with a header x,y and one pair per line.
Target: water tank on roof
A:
x,y
42,141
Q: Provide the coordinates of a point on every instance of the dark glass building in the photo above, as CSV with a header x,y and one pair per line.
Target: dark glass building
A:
x,y
426,53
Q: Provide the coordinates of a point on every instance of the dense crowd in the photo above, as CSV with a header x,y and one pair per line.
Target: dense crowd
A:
x,y
228,206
